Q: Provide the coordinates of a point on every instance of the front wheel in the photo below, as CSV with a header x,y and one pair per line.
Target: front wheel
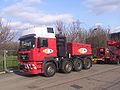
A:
x,y
66,66
87,63
49,69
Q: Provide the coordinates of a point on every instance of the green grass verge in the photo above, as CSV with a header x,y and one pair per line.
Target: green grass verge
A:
x,y
11,63
1,64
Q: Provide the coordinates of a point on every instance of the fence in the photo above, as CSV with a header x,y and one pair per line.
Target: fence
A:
x,y
8,60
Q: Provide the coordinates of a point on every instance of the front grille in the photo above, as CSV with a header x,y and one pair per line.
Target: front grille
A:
x,y
24,57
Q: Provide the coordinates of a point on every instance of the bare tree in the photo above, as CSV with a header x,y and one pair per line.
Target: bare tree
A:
x,y
75,33
60,26
12,45
5,34
98,37
72,31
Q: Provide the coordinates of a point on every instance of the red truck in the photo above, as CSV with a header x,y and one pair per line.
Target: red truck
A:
x,y
44,52
110,54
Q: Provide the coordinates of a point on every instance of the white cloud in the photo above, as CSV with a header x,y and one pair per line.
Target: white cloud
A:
x,y
30,15
115,29
25,15
102,6
31,2
27,3
98,24
19,28
16,25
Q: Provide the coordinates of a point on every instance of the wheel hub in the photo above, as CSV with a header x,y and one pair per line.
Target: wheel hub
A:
x,y
68,67
50,70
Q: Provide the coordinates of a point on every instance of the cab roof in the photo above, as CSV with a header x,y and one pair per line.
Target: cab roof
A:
x,y
44,32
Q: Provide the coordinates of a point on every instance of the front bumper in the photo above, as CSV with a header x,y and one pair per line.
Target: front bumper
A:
x,y
31,67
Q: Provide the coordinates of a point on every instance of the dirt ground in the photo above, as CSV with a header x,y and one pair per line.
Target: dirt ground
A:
x,y
99,77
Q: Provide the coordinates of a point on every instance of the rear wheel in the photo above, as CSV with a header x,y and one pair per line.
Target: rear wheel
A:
x,y
49,69
117,61
66,66
77,65
87,63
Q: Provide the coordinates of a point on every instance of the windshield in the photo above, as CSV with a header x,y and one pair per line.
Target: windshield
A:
x,y
27,43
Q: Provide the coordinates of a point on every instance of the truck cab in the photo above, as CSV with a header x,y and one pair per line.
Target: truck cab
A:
x,y
34,47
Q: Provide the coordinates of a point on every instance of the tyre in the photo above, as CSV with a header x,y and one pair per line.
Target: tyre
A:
x,y
117,61
77,65
66,66
87,63
107,61
49,69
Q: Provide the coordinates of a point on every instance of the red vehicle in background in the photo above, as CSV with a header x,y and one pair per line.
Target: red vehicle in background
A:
x,y
110,54
43,52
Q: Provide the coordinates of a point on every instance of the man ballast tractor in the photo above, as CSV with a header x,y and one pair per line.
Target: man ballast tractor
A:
x,y
43,52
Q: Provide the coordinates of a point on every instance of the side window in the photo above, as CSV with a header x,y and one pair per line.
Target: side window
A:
x,y
50,30
42,42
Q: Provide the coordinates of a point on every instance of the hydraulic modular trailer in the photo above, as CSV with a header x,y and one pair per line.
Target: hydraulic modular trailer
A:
x,y
110,54
44,52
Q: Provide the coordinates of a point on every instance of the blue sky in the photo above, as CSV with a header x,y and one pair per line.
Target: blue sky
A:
x,y
27,13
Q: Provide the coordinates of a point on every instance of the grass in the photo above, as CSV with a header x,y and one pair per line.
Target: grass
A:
x,y
11,63
1,63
